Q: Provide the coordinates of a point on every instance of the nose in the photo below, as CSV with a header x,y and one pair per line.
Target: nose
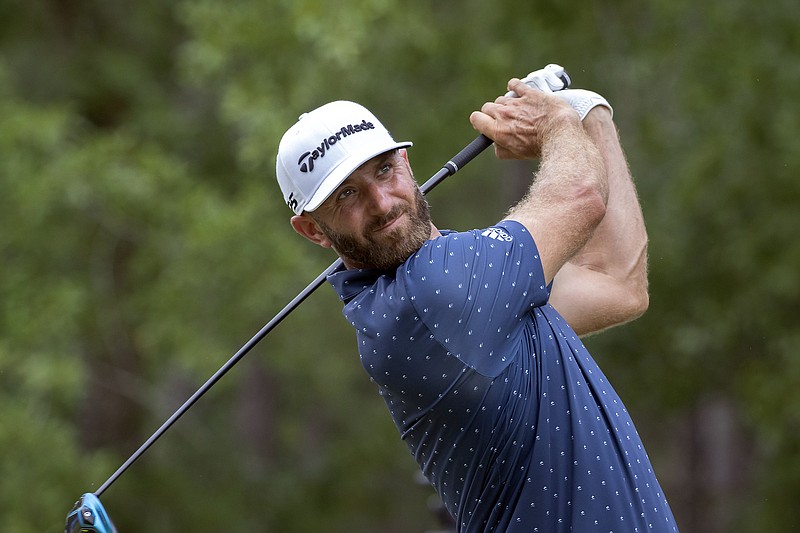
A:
x,y
379,198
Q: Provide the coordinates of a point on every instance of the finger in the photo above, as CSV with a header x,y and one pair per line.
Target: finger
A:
x,y
537,81
492,128
516,86
553,82
483,123
559,72
511,93
544,80
493,108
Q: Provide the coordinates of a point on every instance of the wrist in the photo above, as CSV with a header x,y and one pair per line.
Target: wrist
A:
x,y
599,114
599,124
562,122
583,101
566,139
598,118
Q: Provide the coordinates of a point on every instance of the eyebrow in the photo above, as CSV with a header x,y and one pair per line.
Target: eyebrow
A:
x,y
385,156
376,161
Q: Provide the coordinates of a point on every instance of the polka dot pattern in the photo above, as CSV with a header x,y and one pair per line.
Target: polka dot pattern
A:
x,y
498,400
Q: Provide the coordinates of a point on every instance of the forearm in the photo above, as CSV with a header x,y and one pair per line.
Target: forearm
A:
x,y
605,282
618,246
566,199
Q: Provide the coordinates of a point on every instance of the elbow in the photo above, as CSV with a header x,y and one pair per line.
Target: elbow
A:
x,y
640,303
593,204
597,193
631,296
589,187
597,206
639,284
637,299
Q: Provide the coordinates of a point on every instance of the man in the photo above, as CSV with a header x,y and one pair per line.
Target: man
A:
x,y
473,337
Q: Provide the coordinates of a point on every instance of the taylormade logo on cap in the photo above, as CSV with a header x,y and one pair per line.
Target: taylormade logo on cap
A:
x,y
323,148
306,160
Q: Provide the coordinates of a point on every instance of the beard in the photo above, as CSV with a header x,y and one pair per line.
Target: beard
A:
x,y
387,250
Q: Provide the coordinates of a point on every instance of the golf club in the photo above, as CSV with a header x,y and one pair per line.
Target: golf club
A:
x,y
89,504
463,157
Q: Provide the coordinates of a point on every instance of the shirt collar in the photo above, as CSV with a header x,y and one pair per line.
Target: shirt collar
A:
x,y
349,283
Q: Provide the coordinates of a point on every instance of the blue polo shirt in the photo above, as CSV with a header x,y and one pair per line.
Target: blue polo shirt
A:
x,y
499,402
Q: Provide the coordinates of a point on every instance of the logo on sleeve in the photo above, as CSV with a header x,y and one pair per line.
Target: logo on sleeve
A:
x,y
498,234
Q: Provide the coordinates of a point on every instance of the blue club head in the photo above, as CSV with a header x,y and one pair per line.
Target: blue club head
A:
x,y
88,516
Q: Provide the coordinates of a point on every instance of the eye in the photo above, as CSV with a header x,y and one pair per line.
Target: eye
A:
x,y
385,170
345,193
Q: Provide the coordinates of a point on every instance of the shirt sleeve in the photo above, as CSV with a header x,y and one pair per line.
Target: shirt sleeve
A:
x,y
474,290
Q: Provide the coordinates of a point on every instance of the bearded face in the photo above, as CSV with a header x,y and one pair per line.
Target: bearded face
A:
x,y
387,241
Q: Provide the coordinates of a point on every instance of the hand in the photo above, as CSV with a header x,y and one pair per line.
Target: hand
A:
x,y
554,79
519,126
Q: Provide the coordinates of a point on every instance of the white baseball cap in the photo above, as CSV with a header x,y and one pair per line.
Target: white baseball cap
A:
x,y
323,148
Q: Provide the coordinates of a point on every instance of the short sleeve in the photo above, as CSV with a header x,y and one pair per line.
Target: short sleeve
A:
x,y
473,290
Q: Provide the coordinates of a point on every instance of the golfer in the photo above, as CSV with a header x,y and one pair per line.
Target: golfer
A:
x,y
473,338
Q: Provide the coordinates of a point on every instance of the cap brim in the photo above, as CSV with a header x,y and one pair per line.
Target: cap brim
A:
x,y
349,165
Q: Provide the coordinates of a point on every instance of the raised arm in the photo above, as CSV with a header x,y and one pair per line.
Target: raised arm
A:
x,y
567,198
605,283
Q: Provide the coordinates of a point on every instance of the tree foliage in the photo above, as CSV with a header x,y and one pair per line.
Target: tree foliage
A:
x,y
144,240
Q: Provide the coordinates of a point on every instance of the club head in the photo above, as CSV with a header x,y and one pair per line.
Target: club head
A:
x,y
88,516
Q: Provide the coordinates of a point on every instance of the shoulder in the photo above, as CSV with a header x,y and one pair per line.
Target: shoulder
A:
x,y
482,265
507,243
504,234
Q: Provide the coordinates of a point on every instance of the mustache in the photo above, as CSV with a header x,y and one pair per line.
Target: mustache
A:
x,y
380,222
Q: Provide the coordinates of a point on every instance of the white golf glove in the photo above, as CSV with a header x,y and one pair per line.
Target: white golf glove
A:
x,y
548,79
583,101
554,79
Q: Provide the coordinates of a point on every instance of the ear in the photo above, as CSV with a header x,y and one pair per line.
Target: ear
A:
x,y
404,154
308,228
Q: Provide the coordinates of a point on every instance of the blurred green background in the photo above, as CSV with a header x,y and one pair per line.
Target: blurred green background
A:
x,y
144,239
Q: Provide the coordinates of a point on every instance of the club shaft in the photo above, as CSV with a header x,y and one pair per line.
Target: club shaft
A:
x,y
277,319
469,152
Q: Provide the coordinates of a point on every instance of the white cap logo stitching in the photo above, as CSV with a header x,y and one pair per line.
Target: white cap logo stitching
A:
x,y
321,150
306,161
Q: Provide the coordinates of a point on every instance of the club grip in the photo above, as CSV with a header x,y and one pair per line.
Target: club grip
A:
x,y
468,153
